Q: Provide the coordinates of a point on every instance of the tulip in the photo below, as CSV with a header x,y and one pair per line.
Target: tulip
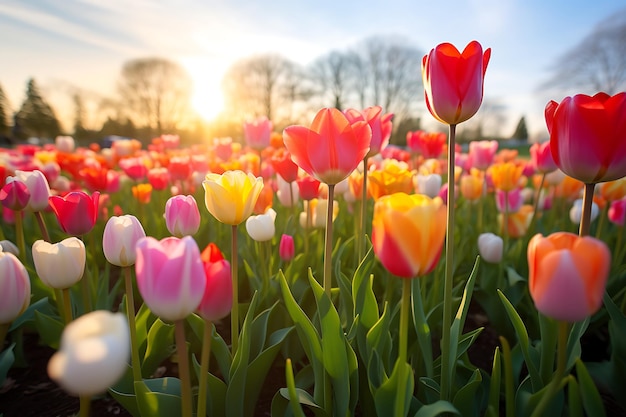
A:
x,y
231,197
588,136
170,276
541,157
567,275
509,201
576,211
257,133
613,190
317,210
14,195
473,185
453,81
429,185
120,236
93,354
288,193
408,233
134,167
159,178
76,212
481,153
9,247
142,192
392,178
331,148
308,187
284,165
379,123
217,300
517,223
428,144
490,247
286,249
65,144
59,265
14,289
37,186
617,212
179,168
261,228
506,176
182,216
266,198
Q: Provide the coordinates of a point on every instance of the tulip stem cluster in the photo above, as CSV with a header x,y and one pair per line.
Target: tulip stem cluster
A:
x,y
448,280
130,314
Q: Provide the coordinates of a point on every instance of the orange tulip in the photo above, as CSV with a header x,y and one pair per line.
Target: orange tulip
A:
x,y
506,176
331,148
408,233
142,192
473,185
453,81
518,222
393,177
567,274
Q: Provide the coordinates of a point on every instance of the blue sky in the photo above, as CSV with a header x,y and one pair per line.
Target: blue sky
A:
x,y
84,43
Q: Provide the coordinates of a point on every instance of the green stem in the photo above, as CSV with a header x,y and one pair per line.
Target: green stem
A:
x,y
603,217
328,241
86,292
204,367
130,315
446,372
42,226
555,383
533,219
585,220
85,406
67,305
183,368
404,320
363,231
234,313
548,345
19,235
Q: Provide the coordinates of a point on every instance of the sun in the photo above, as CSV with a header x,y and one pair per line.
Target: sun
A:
x,y
207,98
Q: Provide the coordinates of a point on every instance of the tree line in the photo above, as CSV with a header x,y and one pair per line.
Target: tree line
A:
x,y
154,94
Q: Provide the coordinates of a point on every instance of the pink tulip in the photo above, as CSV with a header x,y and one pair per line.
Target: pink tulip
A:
x,y
453,81
514,199
481,153
541,157
331,148
14,195
218,294
286,248
120,236
617,212
14,288
37,186
258,132
182,216
379,123
170,276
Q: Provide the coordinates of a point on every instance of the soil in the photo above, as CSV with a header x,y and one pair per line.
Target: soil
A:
x,y
29,392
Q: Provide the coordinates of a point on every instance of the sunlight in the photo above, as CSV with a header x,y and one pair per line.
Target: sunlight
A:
x,y
207,98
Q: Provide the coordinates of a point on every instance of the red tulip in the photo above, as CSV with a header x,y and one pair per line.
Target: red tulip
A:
x,y
331,148
453,81
218,293
588,136
284,165
76,211
427,144
286,248
379,123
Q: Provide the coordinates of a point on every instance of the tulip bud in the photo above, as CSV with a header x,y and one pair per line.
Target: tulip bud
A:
x,y
217,301
14,288
93,355
428,184
65,144
617,212
286,248
38,188
490,247
14,195
59,265
120,236
261,228
182,216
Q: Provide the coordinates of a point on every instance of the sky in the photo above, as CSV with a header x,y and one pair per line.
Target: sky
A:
x,y
84,43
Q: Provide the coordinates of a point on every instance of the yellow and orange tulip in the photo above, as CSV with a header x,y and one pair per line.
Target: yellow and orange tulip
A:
x,y
231,196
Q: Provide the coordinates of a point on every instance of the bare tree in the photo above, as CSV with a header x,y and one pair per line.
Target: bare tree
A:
x,y
156,92
386,72
597,63
331,76
263,85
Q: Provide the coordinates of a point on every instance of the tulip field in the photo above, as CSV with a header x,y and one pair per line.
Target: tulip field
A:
x,y
321,254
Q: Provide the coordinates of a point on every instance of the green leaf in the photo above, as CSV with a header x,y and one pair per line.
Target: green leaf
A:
x,y
466,400
573,397
49,328
393,397
522,338
435,409
335,357
42,305
432,389
159,346
379,338
493,404
592,402
216,391
158,397
219,348
422,329
6,361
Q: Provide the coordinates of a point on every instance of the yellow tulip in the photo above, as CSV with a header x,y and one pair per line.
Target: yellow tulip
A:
x,y
408,233
231,196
